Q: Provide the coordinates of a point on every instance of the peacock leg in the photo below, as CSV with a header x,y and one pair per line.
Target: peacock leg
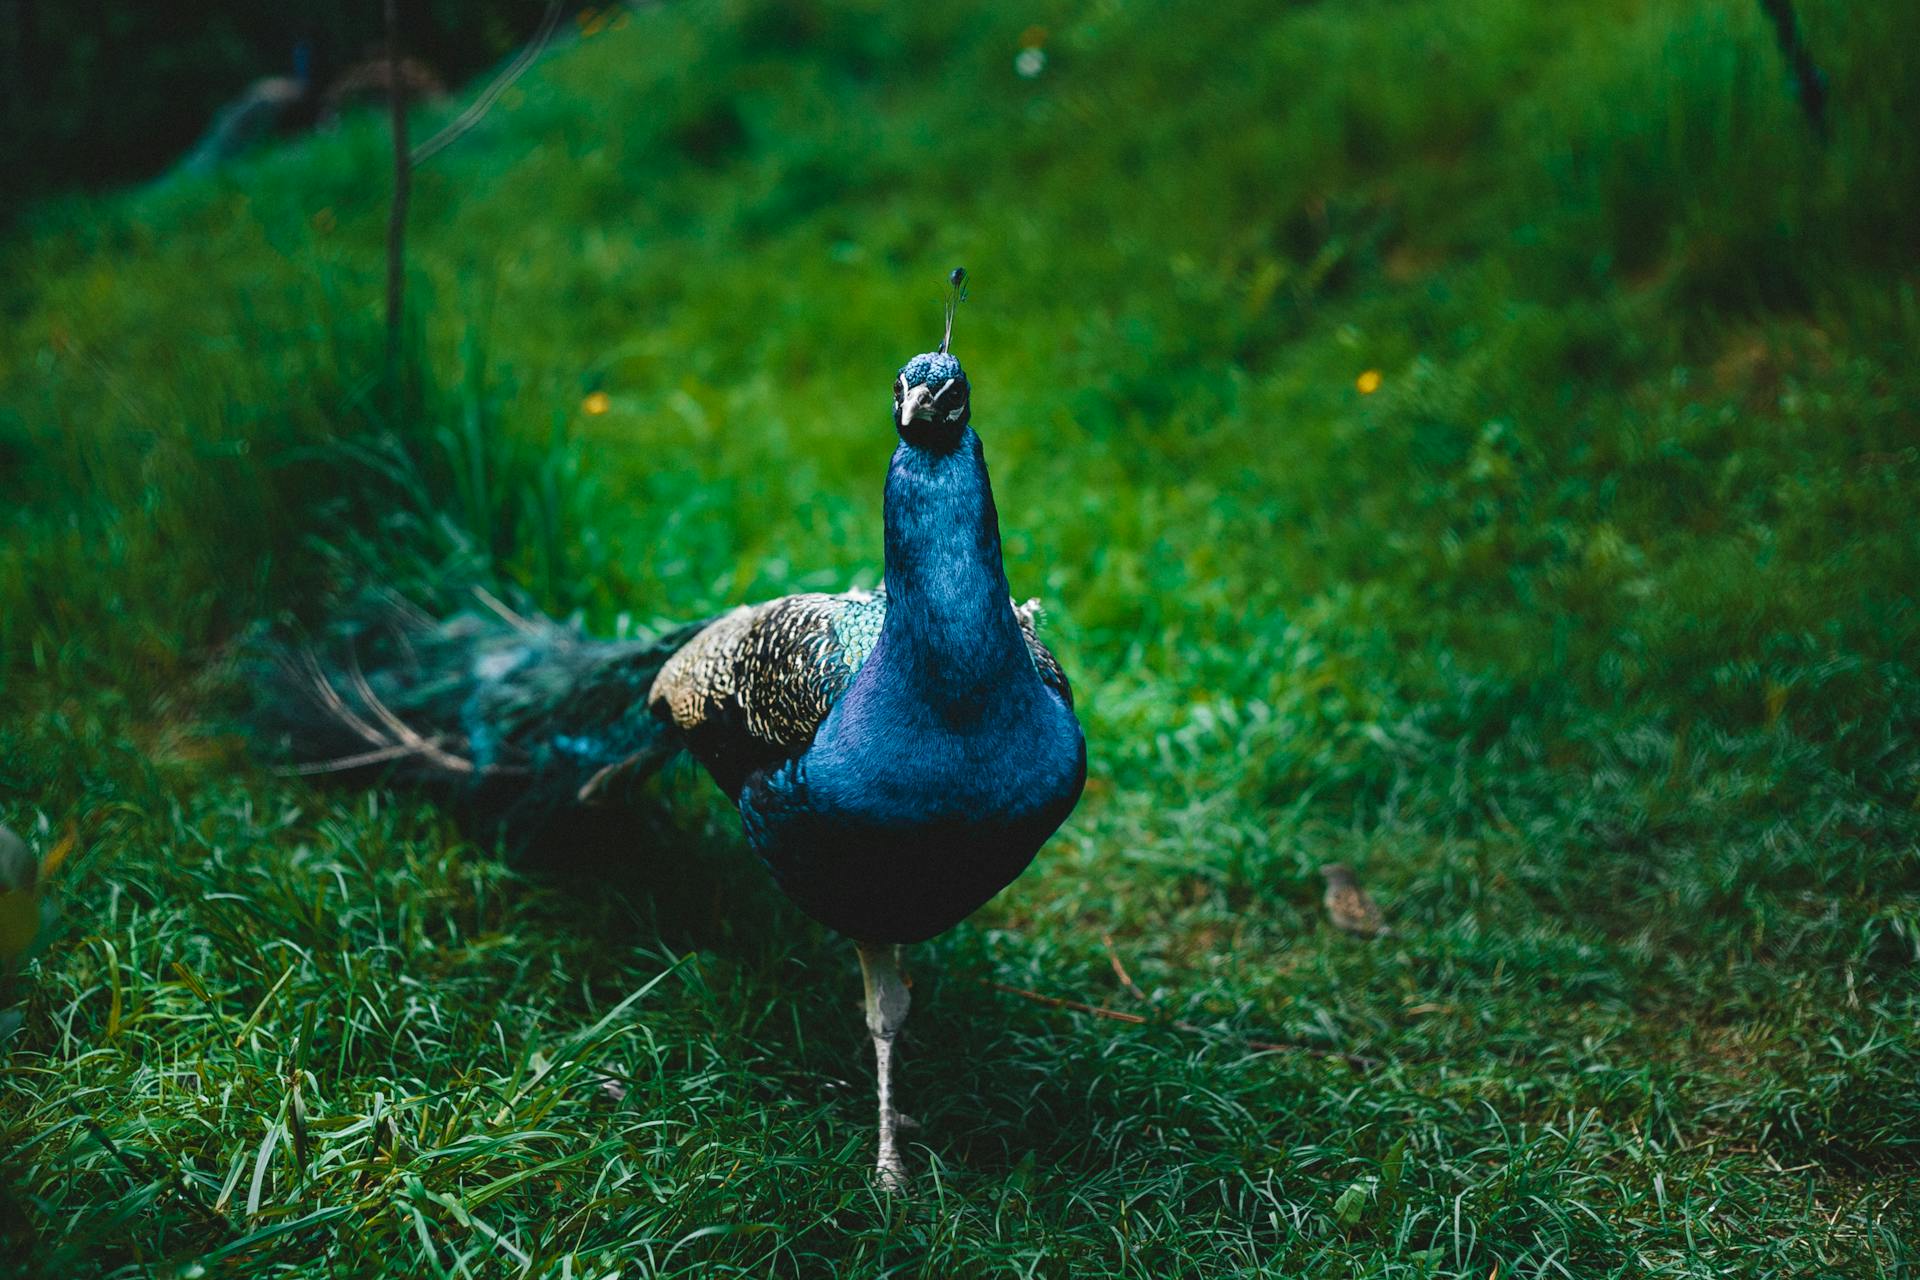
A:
x,y
887,1002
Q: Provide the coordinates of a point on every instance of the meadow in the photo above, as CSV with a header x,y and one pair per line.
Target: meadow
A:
x,y
1476,441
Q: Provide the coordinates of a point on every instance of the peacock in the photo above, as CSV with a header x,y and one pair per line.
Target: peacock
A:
x,y
897,756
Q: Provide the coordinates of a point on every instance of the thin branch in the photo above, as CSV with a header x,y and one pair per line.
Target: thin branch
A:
x,y
1810,83
1120,970
460,124
402,190
1060,1002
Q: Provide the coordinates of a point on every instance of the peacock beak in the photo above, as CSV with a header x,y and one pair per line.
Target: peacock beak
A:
x,y
917,403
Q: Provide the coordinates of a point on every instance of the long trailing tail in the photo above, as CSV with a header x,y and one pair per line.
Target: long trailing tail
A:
x,y
514,717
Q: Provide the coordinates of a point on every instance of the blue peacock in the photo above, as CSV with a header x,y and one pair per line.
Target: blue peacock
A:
x,y
897,756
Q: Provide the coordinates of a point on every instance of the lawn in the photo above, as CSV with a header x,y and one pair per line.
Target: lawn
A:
x,y
1473,440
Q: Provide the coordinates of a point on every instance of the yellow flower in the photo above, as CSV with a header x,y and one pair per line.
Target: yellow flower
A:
x,y
1368,382
598,402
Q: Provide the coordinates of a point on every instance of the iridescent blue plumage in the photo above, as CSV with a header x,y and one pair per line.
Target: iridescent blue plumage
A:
x,y
931,369
898,756
949,759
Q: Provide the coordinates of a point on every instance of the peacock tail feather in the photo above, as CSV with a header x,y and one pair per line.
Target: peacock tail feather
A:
x,y
510,716
514,717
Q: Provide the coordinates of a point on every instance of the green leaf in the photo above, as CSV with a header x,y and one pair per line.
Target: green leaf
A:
x,y
1352,1203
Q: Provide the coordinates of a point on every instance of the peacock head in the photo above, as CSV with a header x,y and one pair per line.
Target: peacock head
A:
x,y
931,400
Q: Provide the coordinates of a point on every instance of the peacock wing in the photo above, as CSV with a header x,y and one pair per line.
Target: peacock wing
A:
x,y
1044,662
752,689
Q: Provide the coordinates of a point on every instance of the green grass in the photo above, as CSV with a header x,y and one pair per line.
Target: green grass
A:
x,y
1589,639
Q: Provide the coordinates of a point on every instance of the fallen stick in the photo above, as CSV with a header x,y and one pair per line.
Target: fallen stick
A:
x,y
1120,970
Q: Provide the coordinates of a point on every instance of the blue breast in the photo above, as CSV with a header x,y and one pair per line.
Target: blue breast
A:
x,y
948,762
895,826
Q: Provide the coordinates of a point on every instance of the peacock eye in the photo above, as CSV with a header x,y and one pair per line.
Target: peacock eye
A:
x,y
899,387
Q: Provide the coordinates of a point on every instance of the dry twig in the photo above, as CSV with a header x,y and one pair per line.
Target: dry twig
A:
x,y
402,191
1120,970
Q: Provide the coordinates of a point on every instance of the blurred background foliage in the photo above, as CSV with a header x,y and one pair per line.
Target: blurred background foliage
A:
x,y
1475,440
97,92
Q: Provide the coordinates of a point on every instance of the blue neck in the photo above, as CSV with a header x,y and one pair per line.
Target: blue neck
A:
x,y
950,627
